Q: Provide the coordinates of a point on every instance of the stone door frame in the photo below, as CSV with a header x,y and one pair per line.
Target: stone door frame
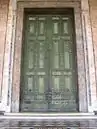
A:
x,y
82,90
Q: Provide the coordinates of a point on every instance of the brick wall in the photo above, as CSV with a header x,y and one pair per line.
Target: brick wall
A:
x,y
3,21
93,15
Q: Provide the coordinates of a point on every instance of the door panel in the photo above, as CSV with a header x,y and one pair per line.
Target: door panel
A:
x,y
61,65
47,82
34,75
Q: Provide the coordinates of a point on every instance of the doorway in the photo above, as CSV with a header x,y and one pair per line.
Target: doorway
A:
x,y
48,70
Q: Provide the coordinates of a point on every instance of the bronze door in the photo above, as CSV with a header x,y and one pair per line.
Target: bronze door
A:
x,y
48,79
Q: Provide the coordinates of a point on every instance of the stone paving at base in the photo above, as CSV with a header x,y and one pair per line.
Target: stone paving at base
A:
x,y
62,124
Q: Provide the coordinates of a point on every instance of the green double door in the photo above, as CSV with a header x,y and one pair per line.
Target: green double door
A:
x,y
48,80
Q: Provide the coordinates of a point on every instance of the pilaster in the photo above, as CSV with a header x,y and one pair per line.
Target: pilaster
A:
x,y
89,56
8,57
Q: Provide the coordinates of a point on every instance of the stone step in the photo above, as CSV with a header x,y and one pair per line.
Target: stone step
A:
x,y
49,116
48,121
48,124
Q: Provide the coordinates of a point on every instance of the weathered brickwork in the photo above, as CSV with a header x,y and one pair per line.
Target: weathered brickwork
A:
x,y
3,22
93,15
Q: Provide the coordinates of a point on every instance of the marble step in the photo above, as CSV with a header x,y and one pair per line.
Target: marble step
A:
x,y
49,116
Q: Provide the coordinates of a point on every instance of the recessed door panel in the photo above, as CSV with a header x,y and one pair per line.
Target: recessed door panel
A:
x,y
47,79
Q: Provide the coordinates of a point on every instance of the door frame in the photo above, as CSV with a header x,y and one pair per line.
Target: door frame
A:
x,y
82,90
